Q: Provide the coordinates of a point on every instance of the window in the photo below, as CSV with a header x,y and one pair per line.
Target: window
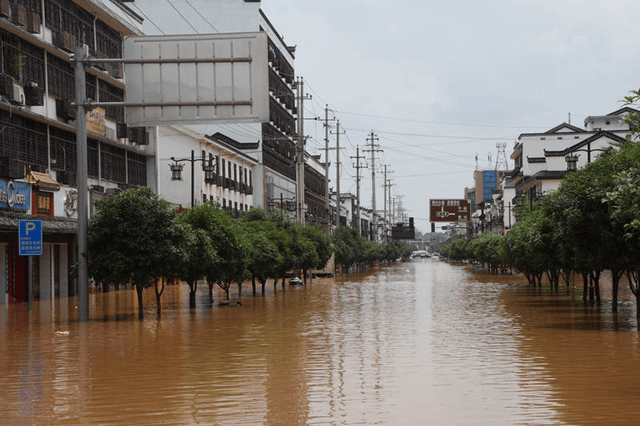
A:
x,y
223,164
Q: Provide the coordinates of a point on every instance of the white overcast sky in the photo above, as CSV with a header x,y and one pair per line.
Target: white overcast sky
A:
x,y
441,82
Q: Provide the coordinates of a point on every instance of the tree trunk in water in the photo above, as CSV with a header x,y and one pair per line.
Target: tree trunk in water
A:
x,y
585,286
263,283
275,284
211,291
226,290
193,287
615,284
596,284
282,282
304,275
253,284
140,302
239,281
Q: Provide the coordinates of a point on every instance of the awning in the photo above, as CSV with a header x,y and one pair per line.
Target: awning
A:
x,y
42,181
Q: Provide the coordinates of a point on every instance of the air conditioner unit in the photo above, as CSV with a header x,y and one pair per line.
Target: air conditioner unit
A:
x,y
122,130
6,85
33,94
66,178
139,135
34,22
64,41
11,168
115,70
17,95
5,8
110,133
19,14
64,109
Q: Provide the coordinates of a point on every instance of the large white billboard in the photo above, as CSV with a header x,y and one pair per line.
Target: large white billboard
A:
x,y
195,79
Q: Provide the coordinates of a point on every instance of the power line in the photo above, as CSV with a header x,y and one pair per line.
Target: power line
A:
x,y
441,123
205,19
182,16
148,19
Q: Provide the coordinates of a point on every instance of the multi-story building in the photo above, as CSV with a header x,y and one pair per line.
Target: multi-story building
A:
x,y
543,159
274,176
210,168
38,134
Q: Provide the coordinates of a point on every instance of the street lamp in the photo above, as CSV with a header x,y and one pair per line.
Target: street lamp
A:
x,y
208,166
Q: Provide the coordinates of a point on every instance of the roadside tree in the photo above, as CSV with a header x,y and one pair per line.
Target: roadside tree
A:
x,y
134,238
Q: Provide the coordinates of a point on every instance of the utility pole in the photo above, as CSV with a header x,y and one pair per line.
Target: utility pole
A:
x,y
358,167
327,205
385,186
300,211
338,173
374,148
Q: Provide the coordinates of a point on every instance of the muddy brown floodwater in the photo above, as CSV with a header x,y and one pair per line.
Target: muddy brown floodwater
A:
x,y
411,344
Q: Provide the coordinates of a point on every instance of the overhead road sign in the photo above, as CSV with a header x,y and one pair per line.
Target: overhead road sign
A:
x,y
449,210
196,79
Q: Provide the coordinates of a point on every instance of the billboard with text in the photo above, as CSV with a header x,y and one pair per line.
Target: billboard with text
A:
x,y
449,210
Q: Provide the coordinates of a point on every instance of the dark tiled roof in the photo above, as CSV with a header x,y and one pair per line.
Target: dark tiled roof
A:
x,y
581,144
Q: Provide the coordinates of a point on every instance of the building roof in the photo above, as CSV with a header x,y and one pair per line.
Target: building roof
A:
x,y
581,144
234,145
42,180
625,110
560,128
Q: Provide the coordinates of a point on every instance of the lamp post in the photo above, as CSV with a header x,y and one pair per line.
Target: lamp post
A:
x,y
208,166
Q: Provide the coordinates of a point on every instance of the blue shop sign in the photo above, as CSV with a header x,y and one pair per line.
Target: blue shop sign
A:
x,y
15,195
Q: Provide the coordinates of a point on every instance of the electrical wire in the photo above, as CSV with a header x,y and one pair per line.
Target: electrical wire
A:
x,y
148,19
182,16
441,123
199,14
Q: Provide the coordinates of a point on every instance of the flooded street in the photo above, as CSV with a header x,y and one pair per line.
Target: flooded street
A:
x,y
411,344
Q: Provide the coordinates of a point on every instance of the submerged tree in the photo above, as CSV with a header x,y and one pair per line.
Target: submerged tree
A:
x,y
133,237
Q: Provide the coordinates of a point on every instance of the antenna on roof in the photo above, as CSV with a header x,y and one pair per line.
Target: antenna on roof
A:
x,y
569,118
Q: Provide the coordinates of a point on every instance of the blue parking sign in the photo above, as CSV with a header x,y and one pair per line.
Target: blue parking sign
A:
x,y
30,237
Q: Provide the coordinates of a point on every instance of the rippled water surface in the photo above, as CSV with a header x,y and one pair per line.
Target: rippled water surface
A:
x,y
412,344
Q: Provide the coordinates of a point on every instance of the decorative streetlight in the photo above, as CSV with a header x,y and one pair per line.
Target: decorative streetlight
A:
x,y
208,166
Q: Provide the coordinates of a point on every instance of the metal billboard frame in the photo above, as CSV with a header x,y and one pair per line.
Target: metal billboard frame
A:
x,y
251,106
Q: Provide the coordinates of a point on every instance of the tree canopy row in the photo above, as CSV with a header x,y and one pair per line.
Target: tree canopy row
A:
x,y
589,225
136,237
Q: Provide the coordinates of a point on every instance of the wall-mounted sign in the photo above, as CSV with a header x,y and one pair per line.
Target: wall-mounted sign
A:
x,y
97,121
15,195
449,210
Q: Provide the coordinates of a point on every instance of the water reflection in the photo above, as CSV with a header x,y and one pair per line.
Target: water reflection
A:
x,y
416,343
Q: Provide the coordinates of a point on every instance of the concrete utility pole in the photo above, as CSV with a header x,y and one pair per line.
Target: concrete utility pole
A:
x,y
385,186
358,167
374,148
300,210
338,173
327,205
81,54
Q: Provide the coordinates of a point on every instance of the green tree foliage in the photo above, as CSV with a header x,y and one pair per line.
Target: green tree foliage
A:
x,y
199,257
487,248
265,258
134,238
229,243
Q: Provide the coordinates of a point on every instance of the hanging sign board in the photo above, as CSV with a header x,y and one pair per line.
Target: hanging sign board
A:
x,y
449,210
196,79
